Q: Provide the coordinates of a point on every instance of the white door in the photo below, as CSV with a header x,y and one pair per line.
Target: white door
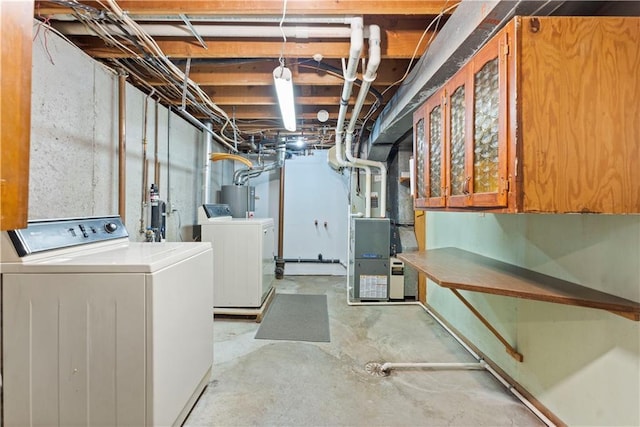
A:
x,y
316,201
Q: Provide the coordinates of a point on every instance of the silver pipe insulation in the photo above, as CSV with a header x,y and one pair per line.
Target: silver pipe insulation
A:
x,y
241,176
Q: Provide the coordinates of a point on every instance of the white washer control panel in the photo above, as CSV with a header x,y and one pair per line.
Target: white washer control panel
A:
x,y
45,235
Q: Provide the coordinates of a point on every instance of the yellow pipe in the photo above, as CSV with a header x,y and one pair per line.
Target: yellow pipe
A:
x,y
224,156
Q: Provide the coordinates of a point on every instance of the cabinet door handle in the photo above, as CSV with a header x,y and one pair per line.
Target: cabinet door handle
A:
x,y
465,188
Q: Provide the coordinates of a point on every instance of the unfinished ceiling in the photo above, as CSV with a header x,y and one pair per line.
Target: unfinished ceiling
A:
x,y
214,60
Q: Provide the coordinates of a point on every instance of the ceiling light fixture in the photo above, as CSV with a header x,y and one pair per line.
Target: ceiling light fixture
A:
x,y
284,89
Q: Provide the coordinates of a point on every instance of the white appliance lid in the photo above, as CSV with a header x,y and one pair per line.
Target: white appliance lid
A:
x,y
126,257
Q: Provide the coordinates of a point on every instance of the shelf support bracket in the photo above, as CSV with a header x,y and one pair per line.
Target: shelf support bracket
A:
x,y
512,351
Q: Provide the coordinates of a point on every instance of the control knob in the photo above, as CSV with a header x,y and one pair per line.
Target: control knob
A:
x,y
110,227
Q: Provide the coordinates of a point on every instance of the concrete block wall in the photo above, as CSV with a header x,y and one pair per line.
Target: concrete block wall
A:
x,y
74,145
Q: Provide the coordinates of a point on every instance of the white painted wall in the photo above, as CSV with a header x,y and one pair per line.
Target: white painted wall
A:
x,y
74,144
583,364
314,191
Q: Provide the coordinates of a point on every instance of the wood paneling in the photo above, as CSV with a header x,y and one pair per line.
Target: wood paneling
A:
x,y
580,100
16,20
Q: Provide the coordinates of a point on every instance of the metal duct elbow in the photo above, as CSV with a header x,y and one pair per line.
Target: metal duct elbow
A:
x,y
241,176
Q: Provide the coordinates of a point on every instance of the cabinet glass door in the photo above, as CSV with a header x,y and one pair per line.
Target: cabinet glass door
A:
x,y
419,154
458,129
488,151
435,160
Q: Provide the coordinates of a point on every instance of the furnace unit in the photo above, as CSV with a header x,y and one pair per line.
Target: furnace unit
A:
x,y
371,259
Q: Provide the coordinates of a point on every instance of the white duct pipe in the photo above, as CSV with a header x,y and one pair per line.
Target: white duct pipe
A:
x,y
212,30
367,79
477,366
350,75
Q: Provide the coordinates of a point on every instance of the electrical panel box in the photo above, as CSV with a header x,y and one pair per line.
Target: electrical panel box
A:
x,y
371,259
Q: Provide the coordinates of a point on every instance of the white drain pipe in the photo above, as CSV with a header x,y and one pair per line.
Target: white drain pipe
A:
x,y
473,366
367,80
350,75
217,30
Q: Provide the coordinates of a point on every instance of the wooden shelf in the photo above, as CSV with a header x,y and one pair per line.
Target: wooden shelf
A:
x,y
458,269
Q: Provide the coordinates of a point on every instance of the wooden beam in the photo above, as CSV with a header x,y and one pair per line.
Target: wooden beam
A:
x,y
266,7
395,44
260,74
265,112
265,95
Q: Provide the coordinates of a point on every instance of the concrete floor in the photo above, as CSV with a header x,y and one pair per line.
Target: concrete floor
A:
x,y
289,383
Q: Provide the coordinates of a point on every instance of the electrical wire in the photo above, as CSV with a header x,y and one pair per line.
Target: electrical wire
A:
x,y
148,59
435,21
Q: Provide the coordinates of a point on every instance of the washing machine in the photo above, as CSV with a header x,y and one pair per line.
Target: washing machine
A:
x,y
98,330
243,254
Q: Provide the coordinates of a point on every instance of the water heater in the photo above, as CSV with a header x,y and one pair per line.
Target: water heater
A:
x,y
240,198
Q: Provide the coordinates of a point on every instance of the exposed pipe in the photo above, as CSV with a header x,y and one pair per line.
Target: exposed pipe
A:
x,y
368,78
261,19
210,30
122,146
473,366
241,176
145,165
350,75
168,159
206,172
201,125
280,262
226,156
156,159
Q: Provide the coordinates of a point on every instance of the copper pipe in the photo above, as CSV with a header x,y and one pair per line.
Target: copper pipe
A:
x,y
156,164
145,165
281,214
122,145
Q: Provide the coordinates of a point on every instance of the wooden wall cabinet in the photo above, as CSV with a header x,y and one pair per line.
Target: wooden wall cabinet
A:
x,y
544,118
16,22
